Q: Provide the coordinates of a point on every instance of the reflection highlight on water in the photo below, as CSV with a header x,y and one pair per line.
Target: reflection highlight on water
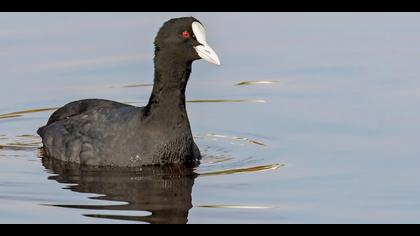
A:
x,y
231,138
259,82
23,142
227,100
243,170
24,112
137,85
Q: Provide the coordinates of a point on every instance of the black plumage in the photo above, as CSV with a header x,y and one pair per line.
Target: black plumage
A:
x,y
107,133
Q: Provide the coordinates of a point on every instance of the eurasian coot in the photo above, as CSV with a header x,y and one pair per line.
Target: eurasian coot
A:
x,y
107,133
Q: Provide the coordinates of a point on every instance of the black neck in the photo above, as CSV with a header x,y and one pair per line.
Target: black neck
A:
x,y
168,96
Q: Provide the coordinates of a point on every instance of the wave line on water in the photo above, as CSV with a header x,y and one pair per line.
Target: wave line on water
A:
x,y
227,101
137,85
243,170
235,207
18,147
258,82
17,114
23,142
215,136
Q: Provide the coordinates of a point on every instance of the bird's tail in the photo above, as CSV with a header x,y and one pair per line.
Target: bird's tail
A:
x,y
41,131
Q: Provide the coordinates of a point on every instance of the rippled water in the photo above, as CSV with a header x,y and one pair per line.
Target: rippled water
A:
x,y
310,119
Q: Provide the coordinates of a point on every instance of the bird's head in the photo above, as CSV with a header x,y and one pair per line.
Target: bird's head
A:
x,y
185,39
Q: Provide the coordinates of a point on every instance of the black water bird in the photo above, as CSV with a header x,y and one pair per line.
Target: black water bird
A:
x,y
106,133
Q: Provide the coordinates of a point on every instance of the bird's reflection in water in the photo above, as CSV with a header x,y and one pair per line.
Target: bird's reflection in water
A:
x,y
165,192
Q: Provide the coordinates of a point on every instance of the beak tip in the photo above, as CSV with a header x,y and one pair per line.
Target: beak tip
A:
x,y
216,60
208,54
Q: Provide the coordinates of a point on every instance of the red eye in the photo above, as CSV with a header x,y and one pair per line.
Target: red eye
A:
x,y
186,34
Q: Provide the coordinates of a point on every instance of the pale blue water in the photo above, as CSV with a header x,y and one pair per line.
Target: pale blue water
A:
x,y
334,138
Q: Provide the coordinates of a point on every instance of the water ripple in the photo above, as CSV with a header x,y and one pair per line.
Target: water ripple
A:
x,y
243,170
25,142
259,82
24,112
228,100
232,138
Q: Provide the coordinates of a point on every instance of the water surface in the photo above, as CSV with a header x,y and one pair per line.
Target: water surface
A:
x,y
312,118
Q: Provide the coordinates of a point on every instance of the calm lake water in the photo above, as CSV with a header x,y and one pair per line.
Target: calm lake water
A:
x,y
312,118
